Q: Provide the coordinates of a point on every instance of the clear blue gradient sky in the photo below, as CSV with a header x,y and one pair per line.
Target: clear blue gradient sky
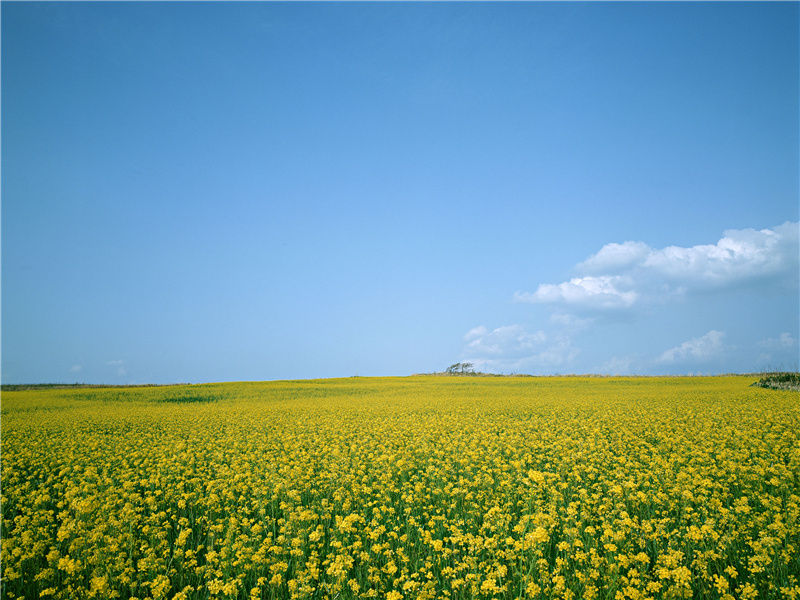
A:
x,y
209,192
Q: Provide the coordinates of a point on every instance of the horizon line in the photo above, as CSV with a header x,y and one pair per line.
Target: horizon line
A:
x,y
64,385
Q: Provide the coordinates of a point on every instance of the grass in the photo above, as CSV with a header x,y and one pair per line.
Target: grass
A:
x,y
780,381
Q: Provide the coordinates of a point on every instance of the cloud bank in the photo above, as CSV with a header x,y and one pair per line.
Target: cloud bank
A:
x,y
621,276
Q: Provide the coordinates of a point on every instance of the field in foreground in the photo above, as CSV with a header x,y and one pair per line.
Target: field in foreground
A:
x,y
418,487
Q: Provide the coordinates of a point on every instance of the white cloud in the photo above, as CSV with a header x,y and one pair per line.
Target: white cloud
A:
x,y
620,276
603,292
622,283
700,349
75,368
741,255
613,258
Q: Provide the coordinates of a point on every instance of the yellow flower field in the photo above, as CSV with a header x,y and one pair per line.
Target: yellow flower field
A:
x,y
420,487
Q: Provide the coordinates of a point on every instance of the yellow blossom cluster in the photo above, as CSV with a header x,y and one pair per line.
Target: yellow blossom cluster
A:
x,y
403,488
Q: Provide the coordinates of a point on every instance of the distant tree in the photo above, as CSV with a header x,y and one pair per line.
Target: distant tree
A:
x,y
460,369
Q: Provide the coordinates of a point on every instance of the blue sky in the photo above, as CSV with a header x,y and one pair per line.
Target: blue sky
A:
x,y
209,192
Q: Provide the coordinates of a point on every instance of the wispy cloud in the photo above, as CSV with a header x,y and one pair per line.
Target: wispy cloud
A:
x,y
783,341
475,333
698,349
76,368
513,348
779,353
618,365
506,341
569,322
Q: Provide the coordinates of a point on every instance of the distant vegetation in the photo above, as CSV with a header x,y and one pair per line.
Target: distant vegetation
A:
x,y
780,381
465,368
181,395
19,387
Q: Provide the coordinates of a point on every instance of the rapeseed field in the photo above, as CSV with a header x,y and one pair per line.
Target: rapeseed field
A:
x,y
396,488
